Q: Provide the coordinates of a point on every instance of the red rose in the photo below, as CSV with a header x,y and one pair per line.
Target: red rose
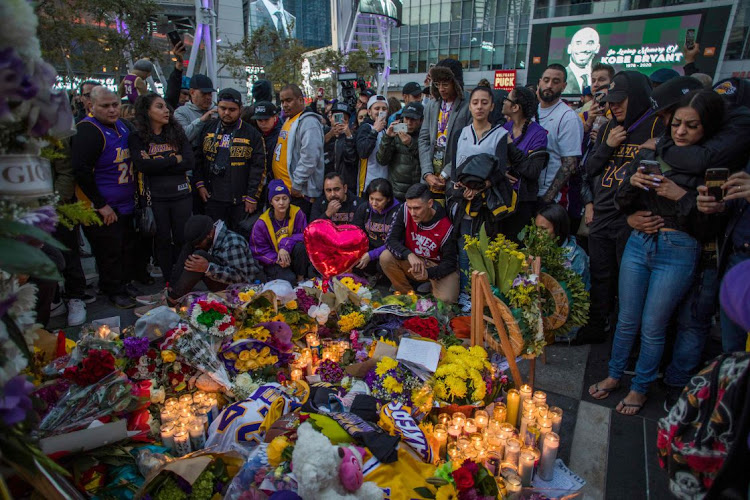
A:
x,y
463,478
151,354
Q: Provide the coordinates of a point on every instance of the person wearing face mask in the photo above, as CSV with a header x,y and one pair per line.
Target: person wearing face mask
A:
x,y
375,218
369,135
633,123
231,164
162,155
658,266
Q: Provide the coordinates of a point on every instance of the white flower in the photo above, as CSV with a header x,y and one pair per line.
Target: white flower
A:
x,y
19,30
320,313
244,386
11,357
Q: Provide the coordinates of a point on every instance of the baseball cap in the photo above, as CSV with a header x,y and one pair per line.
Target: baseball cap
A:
x,y
264,110
230,95
618,89
413,110
376,98
367,92
412,88
202,83
669,93
663,75
341,107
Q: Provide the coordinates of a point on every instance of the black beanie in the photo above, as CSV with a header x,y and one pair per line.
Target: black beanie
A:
x,y
197,228
262,91
455,67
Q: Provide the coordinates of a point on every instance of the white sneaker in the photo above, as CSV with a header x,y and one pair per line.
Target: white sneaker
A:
x,y
465,302
76,312
158,298
57,309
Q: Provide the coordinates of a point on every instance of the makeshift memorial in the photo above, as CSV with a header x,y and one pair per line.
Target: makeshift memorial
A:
x,y
197,476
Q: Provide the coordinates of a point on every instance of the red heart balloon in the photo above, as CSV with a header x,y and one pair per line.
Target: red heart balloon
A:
x,y
334,249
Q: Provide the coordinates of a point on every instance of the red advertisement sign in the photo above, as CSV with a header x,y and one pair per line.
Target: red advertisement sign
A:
x,y
505,79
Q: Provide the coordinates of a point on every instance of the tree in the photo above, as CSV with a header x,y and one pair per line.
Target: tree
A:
x,y
88,35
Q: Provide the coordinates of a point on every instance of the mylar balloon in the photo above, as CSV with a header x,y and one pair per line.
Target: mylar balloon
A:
x,y
334,249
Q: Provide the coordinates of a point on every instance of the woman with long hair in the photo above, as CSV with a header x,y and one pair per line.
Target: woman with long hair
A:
x,y
482,143
658,266
527,156
162,156
375,218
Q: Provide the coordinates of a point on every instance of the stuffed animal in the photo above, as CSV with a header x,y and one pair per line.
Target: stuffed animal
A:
x,y
328,472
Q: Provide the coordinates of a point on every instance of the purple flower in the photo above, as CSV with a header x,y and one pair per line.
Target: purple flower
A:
x,y
15,402
15,83
44,218
330,371
135,347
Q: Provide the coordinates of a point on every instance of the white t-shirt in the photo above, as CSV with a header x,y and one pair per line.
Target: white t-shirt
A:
x,y
374,169
564,138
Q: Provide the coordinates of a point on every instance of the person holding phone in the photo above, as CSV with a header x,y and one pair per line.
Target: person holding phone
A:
x,y
399,150
369,136
194,114
659,264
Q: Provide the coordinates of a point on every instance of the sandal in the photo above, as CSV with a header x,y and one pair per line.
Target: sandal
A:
x,y
629,405
604,390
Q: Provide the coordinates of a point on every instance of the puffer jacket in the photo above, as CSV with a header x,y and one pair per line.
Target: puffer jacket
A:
x,y
402,162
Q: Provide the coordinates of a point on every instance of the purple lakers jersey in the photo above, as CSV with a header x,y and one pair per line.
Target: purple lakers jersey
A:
x,y
113,171
131,92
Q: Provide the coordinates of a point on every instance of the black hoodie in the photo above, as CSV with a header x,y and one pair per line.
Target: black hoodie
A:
x,y
607,166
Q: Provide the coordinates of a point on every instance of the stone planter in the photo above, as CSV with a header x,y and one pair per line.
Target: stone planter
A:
x,y
25,176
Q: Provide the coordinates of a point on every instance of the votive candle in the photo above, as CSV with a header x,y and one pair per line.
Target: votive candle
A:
x,y
454,431
508,429
512,484
556,415
499,412
459,419
549,455
477,441
540,398
526,418
526,393
171,403
542,411
198,397
496,443
167,415
186,399
494,426
453,452
527,405
296,374
444,419
440,433
470,426
181,443
464,444
545,427
167,436
197,435
512,450
526,467
531,436
514,402
481,418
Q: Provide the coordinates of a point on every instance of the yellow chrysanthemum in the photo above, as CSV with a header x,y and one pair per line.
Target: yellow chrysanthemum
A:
x,y
456,387
351,321
168,356
440,390
446,492
291,305
390,384
276,449
384,365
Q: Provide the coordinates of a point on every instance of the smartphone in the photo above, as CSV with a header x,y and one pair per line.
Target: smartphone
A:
x,y
598,96
174,37
338,118
690,39
650,167
382,115
715,178
401,127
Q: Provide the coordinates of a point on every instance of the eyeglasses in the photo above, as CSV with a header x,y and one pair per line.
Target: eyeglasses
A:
x,y
509,100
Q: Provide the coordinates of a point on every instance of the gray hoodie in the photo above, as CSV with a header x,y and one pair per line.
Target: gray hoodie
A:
x,y
189,117
305,154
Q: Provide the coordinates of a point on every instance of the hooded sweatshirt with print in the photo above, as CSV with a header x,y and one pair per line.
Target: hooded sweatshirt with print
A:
x,y
607,166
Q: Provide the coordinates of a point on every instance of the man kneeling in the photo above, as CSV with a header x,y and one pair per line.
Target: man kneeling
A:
x,y
421,246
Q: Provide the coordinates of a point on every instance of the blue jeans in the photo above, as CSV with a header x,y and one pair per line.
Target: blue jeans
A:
x,y
693,327
733,337
464,268
655,274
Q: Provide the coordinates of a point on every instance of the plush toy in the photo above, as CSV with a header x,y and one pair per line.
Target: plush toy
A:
x,y
328,472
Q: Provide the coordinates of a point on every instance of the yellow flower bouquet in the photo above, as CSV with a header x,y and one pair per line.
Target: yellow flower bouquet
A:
x,y
463,377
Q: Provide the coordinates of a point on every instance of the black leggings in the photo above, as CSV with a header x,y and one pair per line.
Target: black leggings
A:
x,y
300,266
171,216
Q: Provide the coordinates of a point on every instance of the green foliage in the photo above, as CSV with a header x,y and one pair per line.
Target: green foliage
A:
x,y
19,254
70,214
81,34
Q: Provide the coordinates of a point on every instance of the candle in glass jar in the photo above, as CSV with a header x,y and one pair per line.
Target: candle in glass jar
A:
x,y
440,433
296,374
494,426
549,455
540,398
496,443
167,415
526,467
454,431
103,331
514,403
542,411
499,412
512,484
512,450
198,397
525,392
494,459
477,441
556,415
186,399
186,412
527,405
531,436
470,426
545,427
171,404
508,429
444,419
197,435
459,419
453,452
181,443
526,418
167,436
464,443
481,418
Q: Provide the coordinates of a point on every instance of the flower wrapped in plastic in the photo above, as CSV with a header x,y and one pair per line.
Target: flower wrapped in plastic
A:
x,y
211,316
198,353
248,356
394,381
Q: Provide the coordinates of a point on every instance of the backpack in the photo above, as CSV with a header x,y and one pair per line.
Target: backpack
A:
x,y
694,439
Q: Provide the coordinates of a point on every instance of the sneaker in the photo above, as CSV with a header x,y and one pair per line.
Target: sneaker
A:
x,y
464,301
57,309
132,291
425,287
155,298
76,312
122,301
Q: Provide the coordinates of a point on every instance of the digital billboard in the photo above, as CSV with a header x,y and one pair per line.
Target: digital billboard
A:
x,y
644,44
309,21
388,8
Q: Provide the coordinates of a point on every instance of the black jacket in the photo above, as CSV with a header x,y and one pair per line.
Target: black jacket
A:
x,y
157,161
240,171
527,168
346,161
345,215
174,85
270,140
375,225
607,166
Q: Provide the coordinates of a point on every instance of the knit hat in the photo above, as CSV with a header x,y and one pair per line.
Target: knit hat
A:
x,y
735,294
197,228
276,187
262,90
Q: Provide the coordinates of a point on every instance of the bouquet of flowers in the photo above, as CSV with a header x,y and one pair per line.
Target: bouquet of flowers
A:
x,y
524,298
469,481
248,356
499,258
393,381
212,317
330,372
212,481
97,364
464,376
425,327
197,352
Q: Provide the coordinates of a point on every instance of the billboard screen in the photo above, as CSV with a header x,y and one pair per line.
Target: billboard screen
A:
x,y
308,21
644,44
388,8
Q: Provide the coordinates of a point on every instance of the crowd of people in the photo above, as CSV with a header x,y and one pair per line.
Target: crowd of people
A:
x,y
221,192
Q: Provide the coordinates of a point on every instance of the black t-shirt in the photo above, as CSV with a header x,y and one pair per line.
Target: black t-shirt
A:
x,y
157,162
